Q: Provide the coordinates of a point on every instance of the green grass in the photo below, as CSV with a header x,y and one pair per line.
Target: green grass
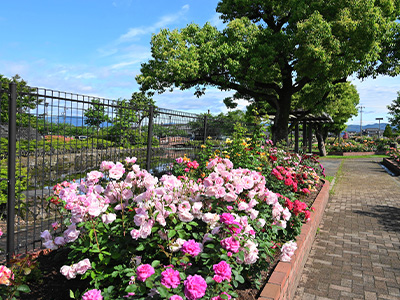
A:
x,y
329,178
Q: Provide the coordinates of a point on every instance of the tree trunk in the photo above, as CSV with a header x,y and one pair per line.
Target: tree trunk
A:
x,y
321,142
280,132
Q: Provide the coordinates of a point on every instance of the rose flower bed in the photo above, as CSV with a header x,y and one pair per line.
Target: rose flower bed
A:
x,y
198,233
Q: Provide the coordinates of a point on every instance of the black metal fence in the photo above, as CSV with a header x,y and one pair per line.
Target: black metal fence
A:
x,y
47,137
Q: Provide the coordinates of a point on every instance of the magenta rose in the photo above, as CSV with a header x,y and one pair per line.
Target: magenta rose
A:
x,y
92,295
227,218
144,271
195,287
175,297
223,269
191,247
170,278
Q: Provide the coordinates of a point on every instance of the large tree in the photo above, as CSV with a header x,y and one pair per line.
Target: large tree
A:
x,y
271,50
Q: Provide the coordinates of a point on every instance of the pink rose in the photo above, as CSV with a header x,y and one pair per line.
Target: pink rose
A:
x,y
106,165
130,160
46,235
223,270
220,298
179,160
116,171
175,297
195,287
82,266
170,278
185,216
5,275
59,241
68,272
92,295
144,271
191,247
108,218
231,244
71,234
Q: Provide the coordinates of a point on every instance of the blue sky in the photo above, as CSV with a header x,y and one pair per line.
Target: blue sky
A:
x,y
95,47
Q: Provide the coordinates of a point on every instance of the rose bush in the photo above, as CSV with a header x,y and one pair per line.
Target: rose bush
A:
x,y
394,155
136,236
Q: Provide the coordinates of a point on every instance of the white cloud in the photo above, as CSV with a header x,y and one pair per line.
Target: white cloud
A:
x,y
163,22
217,22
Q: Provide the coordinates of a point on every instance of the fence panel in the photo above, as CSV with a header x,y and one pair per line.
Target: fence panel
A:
x,y
60,137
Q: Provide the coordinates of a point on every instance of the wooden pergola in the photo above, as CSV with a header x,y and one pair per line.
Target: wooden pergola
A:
x,y
308,120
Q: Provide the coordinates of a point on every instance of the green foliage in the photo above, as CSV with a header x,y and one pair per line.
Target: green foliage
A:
x,y
25,101
127,124
20,183
394,112
271,50
96,115
14,279
388,131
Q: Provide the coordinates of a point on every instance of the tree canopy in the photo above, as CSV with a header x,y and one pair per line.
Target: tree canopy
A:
x,y
271,50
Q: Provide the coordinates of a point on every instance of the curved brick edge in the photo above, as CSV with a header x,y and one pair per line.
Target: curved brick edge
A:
x,y
393,167
286,276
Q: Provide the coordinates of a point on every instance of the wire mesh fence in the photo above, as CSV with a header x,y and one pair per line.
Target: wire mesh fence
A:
x,y
48,137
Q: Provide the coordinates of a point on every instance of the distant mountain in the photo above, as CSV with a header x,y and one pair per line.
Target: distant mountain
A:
x,y
73,120
356,128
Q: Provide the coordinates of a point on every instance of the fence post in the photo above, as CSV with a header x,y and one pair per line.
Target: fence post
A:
x,y
205,129
12,140
149,138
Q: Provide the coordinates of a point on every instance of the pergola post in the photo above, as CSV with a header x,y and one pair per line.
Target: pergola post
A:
x,y
296,138
304,135
309,138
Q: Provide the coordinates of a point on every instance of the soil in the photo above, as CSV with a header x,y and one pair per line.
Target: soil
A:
x,y
54,286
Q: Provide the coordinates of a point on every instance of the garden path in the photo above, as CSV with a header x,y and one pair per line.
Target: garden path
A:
x,y
356,254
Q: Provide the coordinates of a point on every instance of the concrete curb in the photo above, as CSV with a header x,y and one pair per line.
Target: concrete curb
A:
x,y
286,276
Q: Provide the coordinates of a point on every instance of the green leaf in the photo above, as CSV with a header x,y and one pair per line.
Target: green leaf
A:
x,y
131,288
155,263
209,280
163,292
171,233
71,294
140,247
239,278
23,288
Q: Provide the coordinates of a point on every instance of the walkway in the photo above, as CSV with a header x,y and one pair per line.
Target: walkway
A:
x,y
356,254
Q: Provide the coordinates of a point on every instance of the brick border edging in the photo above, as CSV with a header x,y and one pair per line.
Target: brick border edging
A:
x,y
286,276
393,167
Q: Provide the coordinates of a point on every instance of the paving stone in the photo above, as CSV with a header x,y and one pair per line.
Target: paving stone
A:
x,y
356,253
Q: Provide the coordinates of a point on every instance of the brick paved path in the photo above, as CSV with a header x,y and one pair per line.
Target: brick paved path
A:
x,y
356,254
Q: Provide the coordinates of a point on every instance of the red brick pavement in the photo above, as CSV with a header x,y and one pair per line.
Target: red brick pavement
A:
x,y
356,254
